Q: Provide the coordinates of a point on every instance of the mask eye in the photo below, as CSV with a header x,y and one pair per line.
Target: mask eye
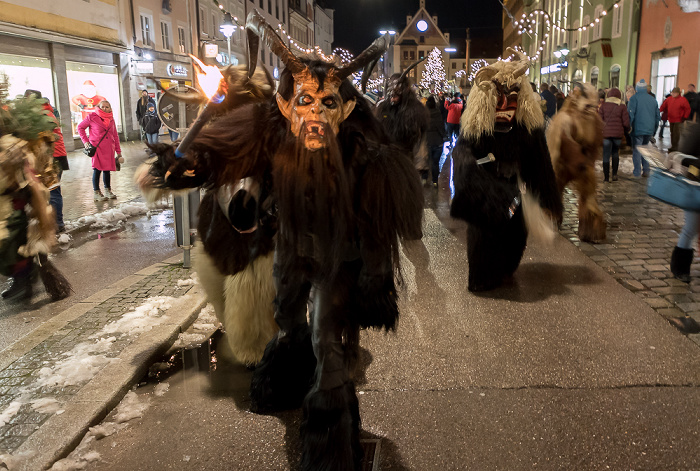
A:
x,y
305,100
329,102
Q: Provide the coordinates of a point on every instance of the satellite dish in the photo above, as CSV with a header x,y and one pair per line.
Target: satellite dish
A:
x,y
169,108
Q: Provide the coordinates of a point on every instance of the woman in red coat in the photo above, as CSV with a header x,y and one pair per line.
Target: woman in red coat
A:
x,y
101,125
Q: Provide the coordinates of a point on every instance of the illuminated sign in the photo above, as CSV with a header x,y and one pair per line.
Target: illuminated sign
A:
x,y
211,50
276,73
550,69
422,25
176,70
143,67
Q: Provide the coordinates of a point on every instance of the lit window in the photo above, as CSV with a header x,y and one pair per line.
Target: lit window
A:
x,y
165,34
182,40
146,30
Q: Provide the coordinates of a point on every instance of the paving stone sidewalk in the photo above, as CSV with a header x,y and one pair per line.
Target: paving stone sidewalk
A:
x,y
641,234
40,435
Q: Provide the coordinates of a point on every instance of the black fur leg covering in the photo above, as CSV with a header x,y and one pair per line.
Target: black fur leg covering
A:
x,y
285,374
57,286
330,431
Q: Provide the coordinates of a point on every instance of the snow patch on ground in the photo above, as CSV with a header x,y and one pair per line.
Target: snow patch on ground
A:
x,y
116,215
131,407
10,412
141,319
81,364
189,339
46,405
13,462
161,389
64,238
201,326
207,315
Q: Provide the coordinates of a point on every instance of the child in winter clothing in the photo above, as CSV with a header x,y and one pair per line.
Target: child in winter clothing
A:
x,y
151,124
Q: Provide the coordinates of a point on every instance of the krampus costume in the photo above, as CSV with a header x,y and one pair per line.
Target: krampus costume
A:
x,y
405,118
504,182
575,141
27,223
341,199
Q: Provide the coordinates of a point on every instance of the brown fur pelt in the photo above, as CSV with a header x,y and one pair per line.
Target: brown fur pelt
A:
x,y
575,141
57,286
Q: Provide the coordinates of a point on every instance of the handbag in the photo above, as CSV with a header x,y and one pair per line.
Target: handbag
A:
x,y
90,150
674,189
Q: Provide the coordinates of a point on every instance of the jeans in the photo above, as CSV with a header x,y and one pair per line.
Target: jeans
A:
x,y
689,233
611,147
152,138
435,152
56,200
637,160
173,135
452,129
96,179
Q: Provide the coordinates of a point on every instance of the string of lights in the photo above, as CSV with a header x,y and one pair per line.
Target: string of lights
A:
x,y
224,11
528,21
300,47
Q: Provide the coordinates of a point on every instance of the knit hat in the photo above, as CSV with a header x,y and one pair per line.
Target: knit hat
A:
x,y
614,93
641,83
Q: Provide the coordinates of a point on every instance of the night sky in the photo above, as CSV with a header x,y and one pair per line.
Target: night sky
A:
x,y
357,22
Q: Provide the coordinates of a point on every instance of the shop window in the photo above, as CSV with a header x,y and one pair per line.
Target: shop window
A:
x,y
585,32
412,55
165,34
617,20
27,72
181,40
598,23
421,39
454,65
89,84
405,55
421,54
146,26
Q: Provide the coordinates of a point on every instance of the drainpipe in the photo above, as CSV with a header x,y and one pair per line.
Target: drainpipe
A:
x,y
629,44
133,22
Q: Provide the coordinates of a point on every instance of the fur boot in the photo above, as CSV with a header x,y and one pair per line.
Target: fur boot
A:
x,y
591,222
681,259
330,430
285,374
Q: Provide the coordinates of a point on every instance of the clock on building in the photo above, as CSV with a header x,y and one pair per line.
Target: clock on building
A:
x,y
422,25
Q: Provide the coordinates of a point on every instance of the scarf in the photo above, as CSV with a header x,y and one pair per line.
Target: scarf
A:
x,y
106,117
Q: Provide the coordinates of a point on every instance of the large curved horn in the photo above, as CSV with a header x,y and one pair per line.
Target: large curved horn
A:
x,y
408,69
366,72
256,24
369,55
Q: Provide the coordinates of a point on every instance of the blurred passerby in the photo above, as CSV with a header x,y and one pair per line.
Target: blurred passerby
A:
x,y
629,91
644,121
678,110
664,120
151,124
102,135
141,108
454,114
616,121
549,98
692,98
436,137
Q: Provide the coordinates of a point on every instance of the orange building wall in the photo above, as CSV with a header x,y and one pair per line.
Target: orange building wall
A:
x,y
685,33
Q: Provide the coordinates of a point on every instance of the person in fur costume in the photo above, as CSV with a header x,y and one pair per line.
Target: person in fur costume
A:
x,y
406,119
575,141
27,224
504,182
341,199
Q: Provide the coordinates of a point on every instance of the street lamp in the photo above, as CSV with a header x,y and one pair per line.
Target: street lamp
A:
x,y
227,28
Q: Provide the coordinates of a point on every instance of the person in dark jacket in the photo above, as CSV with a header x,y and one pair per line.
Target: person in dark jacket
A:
x,y
549,98
436,136
142,108
616,122
693,100
151,124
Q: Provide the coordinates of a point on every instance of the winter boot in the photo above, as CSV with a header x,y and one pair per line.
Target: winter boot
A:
x,y
680,263
109,194
98,196
21,287
606,171
615,165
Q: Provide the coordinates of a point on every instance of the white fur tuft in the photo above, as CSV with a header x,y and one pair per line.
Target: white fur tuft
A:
x,y
479,116
539,225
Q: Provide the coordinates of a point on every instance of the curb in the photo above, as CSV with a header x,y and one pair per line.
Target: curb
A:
x,y
60,434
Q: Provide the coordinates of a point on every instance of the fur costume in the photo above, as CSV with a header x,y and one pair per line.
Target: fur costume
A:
x,y
27,224
575,141
339,199
504,182
405,118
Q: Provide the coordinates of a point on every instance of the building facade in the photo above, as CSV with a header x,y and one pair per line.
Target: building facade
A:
x,y
420,36
596,41
323,27
669,49
74,62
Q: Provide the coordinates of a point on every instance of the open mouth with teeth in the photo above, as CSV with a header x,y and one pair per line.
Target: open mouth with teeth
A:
x,y
505,116
315,127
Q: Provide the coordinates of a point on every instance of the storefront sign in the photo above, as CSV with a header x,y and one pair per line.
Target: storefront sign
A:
x,y
550,69
211,50
143,67
176,70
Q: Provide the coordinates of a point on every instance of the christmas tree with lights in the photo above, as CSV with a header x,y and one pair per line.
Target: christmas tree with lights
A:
x,y
434,76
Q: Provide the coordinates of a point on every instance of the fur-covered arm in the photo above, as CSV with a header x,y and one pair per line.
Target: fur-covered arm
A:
x,y
537,173
481,196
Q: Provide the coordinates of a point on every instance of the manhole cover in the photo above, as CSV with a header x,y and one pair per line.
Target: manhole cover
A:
x,y
371,448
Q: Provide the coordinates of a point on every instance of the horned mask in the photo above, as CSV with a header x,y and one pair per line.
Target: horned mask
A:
x,y
316,105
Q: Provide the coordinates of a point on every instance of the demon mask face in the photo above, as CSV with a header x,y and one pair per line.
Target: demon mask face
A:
x,y
396,88
506,106
314,109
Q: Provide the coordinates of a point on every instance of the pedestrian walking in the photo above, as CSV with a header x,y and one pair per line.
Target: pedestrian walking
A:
x,y
683,252
678,110
693,101
616,122
664,120
142,108
644,121
454,114
437,135
549,98
104,138
151,124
